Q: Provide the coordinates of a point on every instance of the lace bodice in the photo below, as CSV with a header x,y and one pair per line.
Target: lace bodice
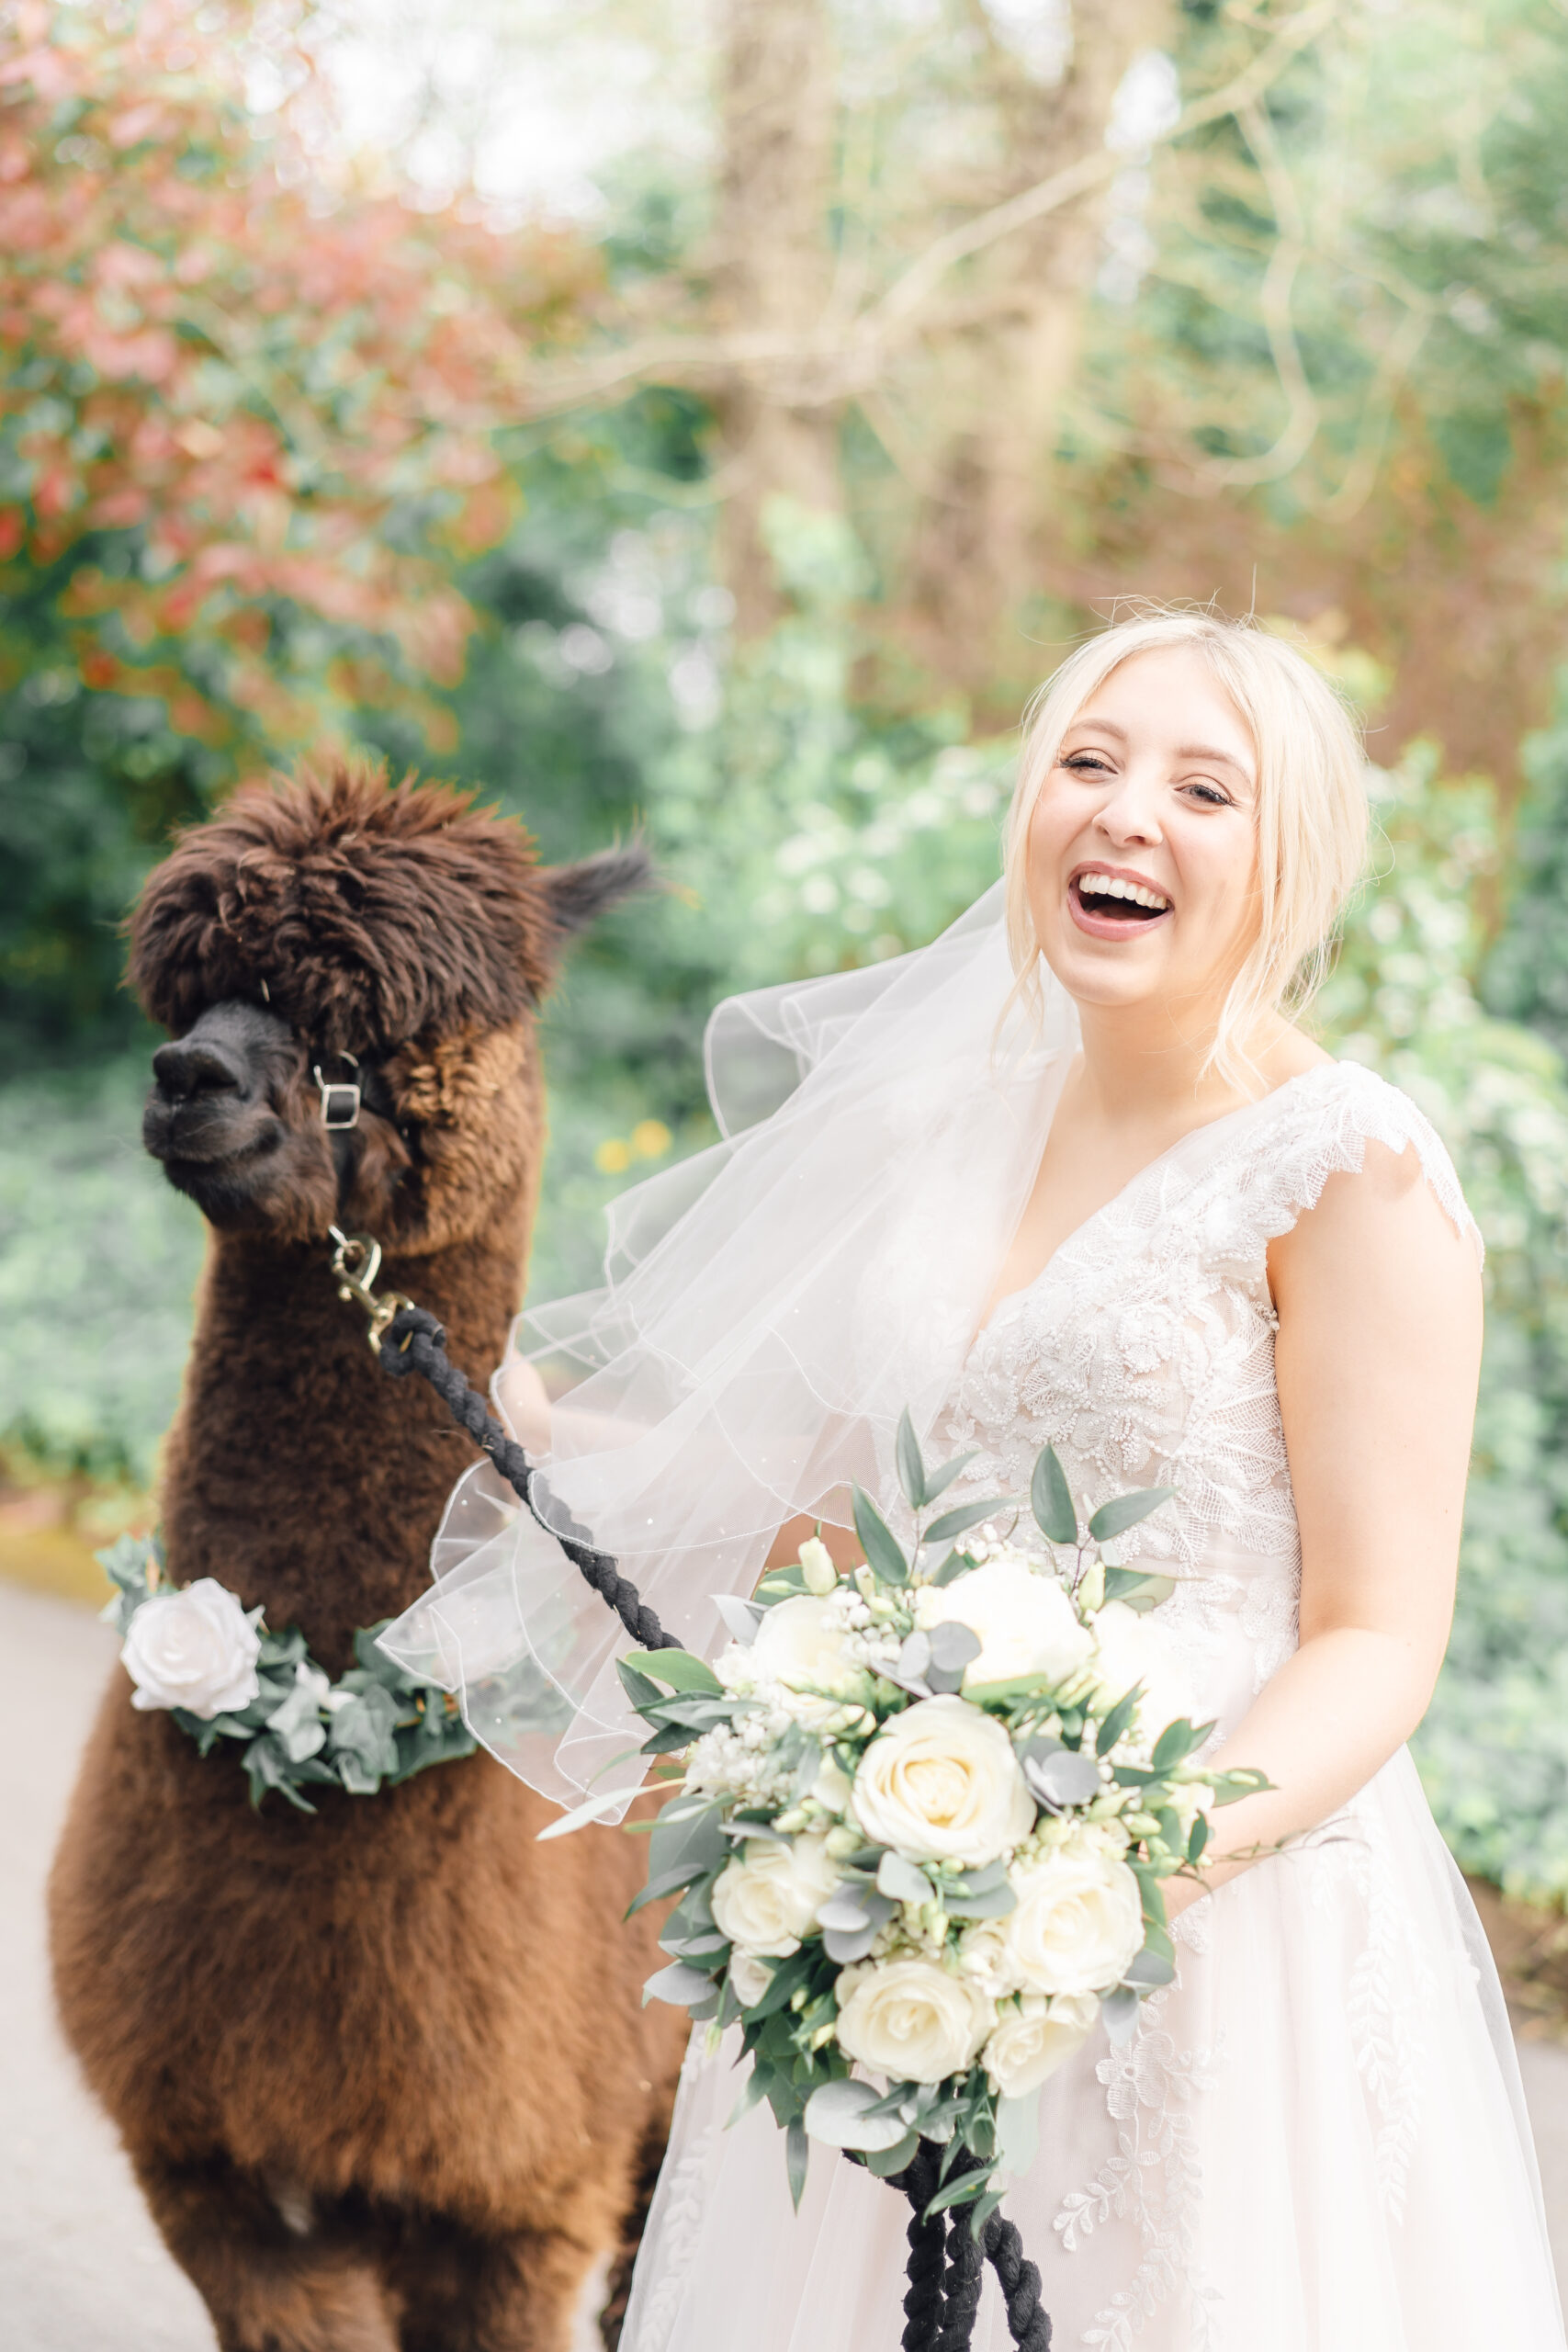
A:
x,y
1145,1354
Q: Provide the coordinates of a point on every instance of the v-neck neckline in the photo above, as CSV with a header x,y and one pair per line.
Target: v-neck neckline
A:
x,y
1244,1111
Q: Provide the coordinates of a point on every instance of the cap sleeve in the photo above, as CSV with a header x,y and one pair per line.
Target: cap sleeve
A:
x,y
1322,1127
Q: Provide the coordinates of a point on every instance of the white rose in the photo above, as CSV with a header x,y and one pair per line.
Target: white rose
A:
x,y
1080,1919
940,1783
913,2022
985,1957
1024,1621
821,1575
1132,1649
751,1977
1031,2041
769,1898
800,1643
196,1648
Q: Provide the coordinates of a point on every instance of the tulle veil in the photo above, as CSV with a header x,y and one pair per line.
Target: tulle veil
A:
x,y
769,1309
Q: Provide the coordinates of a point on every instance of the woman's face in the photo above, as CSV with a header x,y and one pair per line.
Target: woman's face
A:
x,y
1143,867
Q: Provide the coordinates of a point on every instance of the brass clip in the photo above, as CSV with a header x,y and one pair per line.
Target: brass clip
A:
x,y
357,1261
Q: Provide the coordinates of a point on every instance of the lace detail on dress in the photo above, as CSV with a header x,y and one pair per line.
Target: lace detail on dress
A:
x,y
682,2196
1154,2180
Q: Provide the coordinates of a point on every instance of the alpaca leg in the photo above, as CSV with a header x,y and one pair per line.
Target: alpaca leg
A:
x,y
514,2294
634,2220
271,2284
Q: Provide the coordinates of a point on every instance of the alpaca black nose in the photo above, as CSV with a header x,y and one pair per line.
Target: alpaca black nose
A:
x,y
198,1066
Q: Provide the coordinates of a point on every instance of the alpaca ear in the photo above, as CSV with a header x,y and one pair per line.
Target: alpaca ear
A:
x,y
578,895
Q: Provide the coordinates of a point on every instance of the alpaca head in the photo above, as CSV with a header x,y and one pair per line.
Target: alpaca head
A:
x,y
349,973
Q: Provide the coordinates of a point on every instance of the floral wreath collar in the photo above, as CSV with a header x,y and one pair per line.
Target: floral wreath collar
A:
x,y
195,1652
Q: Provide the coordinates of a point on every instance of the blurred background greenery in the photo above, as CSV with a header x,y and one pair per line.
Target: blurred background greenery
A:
x,y
718,418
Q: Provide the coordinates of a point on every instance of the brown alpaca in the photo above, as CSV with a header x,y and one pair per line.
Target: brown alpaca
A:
x,y
384,2073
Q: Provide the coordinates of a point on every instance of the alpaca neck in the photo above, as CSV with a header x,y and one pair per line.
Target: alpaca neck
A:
x,y
299,1474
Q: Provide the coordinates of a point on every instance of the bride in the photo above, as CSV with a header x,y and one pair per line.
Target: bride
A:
x,y
1074,1175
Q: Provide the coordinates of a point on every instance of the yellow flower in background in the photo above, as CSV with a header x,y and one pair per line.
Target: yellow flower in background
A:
x,y
650,1139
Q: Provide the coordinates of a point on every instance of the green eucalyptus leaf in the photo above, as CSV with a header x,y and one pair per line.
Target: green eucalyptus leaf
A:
x,y
957,1522
1117,1721
797,2155
939,1481
1140,1592
885,2162
677,1670
911,1466
883,1552
1051,1501
1175,1743
1123,1511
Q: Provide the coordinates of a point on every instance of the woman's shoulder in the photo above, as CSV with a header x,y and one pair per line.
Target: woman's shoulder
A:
x,y
1341,1119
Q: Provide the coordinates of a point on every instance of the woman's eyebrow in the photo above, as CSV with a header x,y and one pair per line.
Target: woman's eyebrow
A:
x,y
1211,752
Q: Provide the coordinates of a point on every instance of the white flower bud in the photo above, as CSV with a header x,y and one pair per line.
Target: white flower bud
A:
x,y
817,1561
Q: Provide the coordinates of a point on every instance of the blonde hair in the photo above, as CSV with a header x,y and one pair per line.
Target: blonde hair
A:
x,y
1312,813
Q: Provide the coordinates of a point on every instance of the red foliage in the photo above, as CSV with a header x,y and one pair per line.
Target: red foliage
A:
x,y
195,341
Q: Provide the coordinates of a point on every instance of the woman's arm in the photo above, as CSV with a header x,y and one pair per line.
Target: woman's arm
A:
x,y
1377,1360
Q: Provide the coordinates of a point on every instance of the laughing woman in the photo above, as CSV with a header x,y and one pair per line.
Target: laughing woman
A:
x,y
1076,1176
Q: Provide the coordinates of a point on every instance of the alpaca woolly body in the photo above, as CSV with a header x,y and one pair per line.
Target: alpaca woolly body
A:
x,y
384,2073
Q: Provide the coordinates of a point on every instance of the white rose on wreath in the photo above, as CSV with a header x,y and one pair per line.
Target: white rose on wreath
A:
x,y
941,1783
766,1899
800,1645
1032,2037
1023,1621
1079,1921
196,1648
914,2022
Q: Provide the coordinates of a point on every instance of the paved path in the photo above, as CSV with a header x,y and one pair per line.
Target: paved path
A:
x,y
81,2266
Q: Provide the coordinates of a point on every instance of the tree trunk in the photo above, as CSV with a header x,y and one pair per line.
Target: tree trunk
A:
x,y
772,279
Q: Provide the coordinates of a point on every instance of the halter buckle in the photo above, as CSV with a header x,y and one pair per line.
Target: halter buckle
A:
x,y
340,1101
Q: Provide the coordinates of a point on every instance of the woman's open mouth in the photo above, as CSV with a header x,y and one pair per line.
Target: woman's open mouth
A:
x,y
1110,906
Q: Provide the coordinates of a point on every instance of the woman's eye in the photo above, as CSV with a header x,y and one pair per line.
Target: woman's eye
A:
x,y
1212,795
1087,764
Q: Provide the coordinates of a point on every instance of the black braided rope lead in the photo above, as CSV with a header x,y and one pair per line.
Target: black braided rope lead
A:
x,y
924,2301
415,1342
945,2261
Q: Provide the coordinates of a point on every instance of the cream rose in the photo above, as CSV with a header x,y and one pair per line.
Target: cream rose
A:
x,y
940,1783
766,1899
1023,1621
196,1648
911,2020
1031,2041
1132,1649
985,1957
751,1977
800,1643
1079,1921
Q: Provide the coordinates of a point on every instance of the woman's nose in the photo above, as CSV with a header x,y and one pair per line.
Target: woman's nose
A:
x,y
1129,815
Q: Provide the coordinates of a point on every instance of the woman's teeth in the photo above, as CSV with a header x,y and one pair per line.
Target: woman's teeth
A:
x,y
1110,886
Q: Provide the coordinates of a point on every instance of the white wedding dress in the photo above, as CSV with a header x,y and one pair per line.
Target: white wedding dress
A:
x,y
1315,2142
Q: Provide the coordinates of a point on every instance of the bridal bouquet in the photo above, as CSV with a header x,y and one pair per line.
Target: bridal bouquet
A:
x,y
923,1814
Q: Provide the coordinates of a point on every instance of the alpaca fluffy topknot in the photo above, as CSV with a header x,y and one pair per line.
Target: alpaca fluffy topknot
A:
x,y
363,913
